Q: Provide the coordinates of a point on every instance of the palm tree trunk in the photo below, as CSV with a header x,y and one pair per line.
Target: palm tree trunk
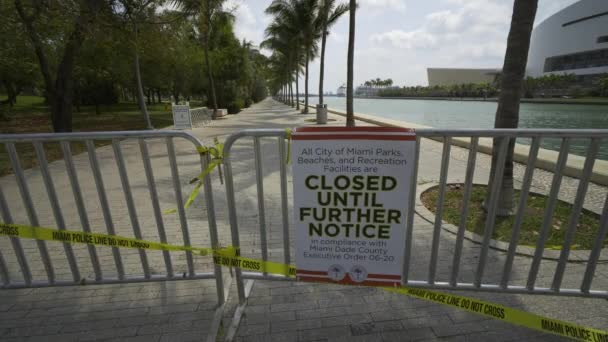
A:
x,y
291,94
350,114
321,72
297,90
140,91
207,63
507,113
305,110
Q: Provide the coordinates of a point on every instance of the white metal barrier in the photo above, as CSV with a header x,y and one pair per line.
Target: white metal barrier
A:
x,y
430,280
200,116
142,139
98,202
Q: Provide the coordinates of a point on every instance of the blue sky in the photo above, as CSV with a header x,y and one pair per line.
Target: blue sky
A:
x,y
399,39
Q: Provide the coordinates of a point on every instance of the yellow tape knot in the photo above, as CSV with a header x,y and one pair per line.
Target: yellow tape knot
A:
x,y
217,154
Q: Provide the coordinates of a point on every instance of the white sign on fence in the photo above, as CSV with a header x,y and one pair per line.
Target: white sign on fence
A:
x,y
351,189
181,116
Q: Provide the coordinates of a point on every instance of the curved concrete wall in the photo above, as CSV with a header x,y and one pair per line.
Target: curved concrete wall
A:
x,y
551,38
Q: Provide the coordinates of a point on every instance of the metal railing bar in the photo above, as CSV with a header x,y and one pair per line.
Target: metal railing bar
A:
x,y
597,249
492,208
445,162
234,225
441,285
82,212
550,208
15,242
509,289
259,177
105,207
411,209
213,235
284,201
464,213
126,187
29,207
180,203
107,281
521,208
6,280
436,132
50,190
143,147
79,136
575,213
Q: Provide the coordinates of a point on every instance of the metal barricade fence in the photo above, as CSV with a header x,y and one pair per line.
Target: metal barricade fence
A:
x,y
201,116
112,197
502,266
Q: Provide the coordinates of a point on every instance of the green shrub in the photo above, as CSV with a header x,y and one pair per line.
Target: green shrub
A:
x,y
235,106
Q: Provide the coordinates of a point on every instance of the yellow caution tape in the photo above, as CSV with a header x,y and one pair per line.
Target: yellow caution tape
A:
x,y
255,265
229,256
217,152
75,237
507,314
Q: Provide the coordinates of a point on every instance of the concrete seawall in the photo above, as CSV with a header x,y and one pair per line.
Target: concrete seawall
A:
x,y
546,159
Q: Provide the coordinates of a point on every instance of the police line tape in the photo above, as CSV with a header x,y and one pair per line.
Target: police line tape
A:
x,y
75,237
229,256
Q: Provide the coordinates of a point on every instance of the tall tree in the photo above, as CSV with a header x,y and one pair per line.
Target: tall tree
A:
x,y
301,19
35,16
18,64
350,113
328,16
210,8
511,89
310,35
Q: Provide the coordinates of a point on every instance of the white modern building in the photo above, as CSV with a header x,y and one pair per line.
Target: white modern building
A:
x,y
572,41
341,91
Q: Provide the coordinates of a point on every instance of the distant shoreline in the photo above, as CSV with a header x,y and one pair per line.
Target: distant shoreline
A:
x,y
601,102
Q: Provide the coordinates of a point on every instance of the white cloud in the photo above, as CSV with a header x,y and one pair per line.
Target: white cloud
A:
x,y
466,34
444,21
337,37
407,40
247,26
398,5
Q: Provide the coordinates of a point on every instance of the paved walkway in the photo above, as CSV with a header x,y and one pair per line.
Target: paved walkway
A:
x,y
280,311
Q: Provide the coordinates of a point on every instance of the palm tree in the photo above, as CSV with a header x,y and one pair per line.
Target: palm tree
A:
x,y
350,114
283,39
511,88
310,35
328,16
298,18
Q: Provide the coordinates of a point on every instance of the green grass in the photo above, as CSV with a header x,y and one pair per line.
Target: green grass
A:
x,y
31,115
584,238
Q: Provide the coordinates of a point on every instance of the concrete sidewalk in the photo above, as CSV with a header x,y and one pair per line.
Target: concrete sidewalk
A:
x,y
281,311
